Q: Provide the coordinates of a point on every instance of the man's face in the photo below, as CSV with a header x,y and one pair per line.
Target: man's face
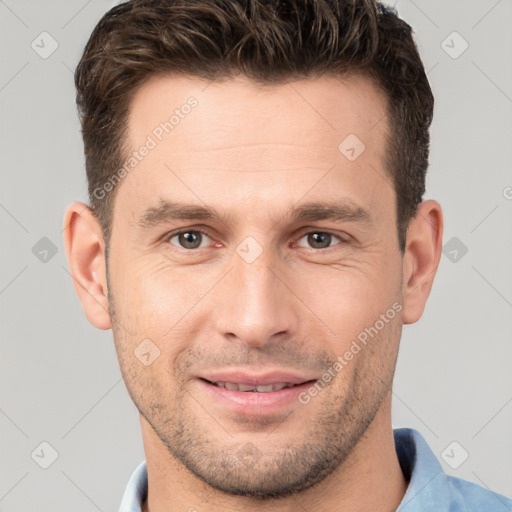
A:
x,y
265,290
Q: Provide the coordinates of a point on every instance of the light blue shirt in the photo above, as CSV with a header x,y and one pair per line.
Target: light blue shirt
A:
x,y
430,488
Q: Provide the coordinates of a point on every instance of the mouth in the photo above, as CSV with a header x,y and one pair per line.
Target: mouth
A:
x,y
239,393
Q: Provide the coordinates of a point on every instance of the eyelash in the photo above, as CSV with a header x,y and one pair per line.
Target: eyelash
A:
x,y
173,234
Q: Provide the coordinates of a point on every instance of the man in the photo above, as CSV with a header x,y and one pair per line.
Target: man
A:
x,y
256,239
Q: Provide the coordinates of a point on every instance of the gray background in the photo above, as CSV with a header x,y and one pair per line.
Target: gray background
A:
x,y
59,376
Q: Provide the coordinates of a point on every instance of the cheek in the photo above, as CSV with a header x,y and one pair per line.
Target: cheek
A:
x,y
348,299
144,291
152,298
365,359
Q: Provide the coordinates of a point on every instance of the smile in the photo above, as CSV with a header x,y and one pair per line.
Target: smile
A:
x,y
239,393
255,389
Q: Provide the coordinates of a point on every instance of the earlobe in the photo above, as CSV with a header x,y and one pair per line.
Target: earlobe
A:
x,y
421,258
85,249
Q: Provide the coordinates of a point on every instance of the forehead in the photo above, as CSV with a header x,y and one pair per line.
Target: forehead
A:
x,y
235,140
304,114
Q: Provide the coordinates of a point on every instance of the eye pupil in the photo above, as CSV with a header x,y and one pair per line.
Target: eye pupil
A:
x,y
190,239
319,240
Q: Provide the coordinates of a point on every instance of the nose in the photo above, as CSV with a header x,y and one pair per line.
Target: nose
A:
x,y
256,305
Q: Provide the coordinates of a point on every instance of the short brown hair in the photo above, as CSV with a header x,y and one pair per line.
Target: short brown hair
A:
x,y
269,41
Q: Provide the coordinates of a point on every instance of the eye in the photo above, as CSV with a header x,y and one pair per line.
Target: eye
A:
x,y
320,240
188,239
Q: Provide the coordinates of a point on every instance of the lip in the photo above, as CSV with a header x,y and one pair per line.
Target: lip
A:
x,y
250,403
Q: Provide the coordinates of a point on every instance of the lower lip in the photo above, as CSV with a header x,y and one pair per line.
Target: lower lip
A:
x,y
253,403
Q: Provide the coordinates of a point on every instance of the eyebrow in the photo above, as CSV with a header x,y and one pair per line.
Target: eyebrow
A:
x,y
166,211
345,210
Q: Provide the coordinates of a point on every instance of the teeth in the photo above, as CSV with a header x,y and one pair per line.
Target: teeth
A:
x,y
259,389
265,389
243,387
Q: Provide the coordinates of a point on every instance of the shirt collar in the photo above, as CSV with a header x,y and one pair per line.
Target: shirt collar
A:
x,y
429,486
136,490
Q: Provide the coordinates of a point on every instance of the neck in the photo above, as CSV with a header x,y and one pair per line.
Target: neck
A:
x,y
370,478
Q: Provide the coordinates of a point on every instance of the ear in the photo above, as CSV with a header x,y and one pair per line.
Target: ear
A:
x,y
421,258
85,249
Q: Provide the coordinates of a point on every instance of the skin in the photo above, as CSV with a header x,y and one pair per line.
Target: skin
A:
x,y
255,154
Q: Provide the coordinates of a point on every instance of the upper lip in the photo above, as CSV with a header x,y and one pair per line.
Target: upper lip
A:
x,y
245,377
